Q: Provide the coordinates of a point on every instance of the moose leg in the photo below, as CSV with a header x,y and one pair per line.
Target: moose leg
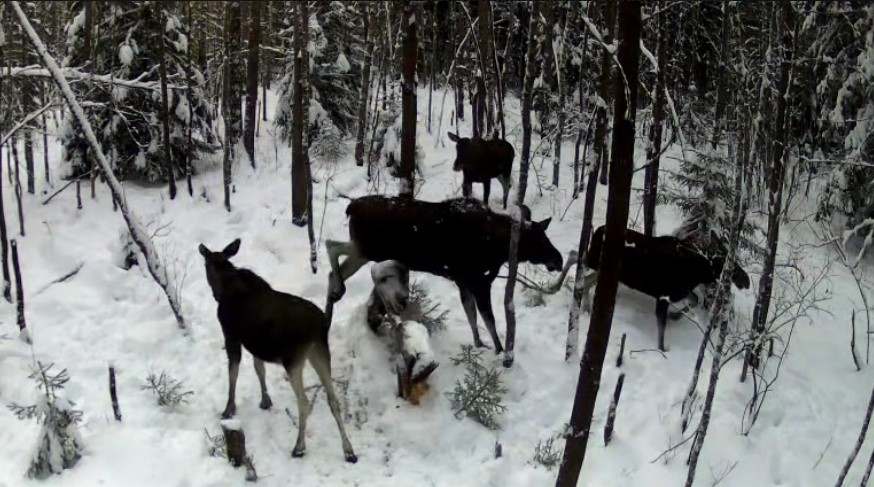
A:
x,y
341,272
466,186
321,361
662,317
468,302
235,354
262,381
483,297
487,188
295,377
505,183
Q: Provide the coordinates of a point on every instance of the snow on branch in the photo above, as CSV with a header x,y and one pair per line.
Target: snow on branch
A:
x,y
137,231
74,74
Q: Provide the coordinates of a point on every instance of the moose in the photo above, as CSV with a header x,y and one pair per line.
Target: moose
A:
x,y
481,160
664,267
460,239
274,327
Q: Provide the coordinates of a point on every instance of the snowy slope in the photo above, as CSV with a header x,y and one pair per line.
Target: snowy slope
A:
x,y
105,315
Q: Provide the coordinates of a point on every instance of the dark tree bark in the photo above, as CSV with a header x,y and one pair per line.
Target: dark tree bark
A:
x,y
653,156
299,127
4,240
113,394
408,101
45,139
722,82
29,161
369,34
561,86
486,56
226,112
17,185
617,218
611,414
19,288
189,170
606,69
252,79
527,101
775,189
235,95
165,111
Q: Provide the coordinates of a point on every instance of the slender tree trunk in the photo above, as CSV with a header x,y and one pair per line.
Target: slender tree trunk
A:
x,y
557,48
606,70
527,101
617,217
29,161
252,79
45,139
226,113
651,173
408,101
858,446
432,71
19,289
485,51
299,129
4,239
721,88
188,74
235,102
369,25
17,185
165,111
775,190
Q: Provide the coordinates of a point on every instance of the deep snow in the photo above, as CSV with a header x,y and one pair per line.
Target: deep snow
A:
x,y
105,315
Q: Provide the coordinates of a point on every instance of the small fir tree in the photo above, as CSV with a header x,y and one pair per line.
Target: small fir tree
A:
x,y
480,394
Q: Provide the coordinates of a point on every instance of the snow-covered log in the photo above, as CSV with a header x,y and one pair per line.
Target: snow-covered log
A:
x,y
138,233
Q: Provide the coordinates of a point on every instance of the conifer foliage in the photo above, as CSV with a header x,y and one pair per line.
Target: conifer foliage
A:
x,y
127,120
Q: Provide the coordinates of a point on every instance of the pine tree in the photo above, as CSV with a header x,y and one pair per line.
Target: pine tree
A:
x,y
126,49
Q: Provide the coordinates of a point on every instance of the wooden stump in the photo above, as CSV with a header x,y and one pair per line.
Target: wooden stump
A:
x,y
235,446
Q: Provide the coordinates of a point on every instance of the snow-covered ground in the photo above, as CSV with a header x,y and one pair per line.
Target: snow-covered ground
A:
x,y
105,315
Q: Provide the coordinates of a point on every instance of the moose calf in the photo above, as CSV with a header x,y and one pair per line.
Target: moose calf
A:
x,y
274,327
480,160
662,267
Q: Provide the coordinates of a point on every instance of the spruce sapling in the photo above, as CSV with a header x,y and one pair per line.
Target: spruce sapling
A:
x,y
480,394
168,389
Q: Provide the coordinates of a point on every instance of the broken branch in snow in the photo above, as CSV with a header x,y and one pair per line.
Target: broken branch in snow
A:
x,y
62,278
138,233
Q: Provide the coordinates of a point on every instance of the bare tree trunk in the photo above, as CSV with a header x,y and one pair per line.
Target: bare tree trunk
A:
x,y
138,234
721,88
369,25
17,185
653,156
606,69
165,111
527,101
45,140
252,79
299,129
408,101
509,290
19,290
855,452
611,415
617,219
28,161
227,156
775,191
235,102
4,240
188,74
560,85
485,51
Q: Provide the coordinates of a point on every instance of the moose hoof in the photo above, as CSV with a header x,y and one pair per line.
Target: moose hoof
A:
x,y
266,403
336,292
351,458
298,452
229,412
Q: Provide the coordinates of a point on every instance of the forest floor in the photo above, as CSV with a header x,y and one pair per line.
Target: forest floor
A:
x,y
105,315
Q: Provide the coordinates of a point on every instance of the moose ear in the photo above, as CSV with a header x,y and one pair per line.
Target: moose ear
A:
x,y
232,248
544,224
203,250
452,136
